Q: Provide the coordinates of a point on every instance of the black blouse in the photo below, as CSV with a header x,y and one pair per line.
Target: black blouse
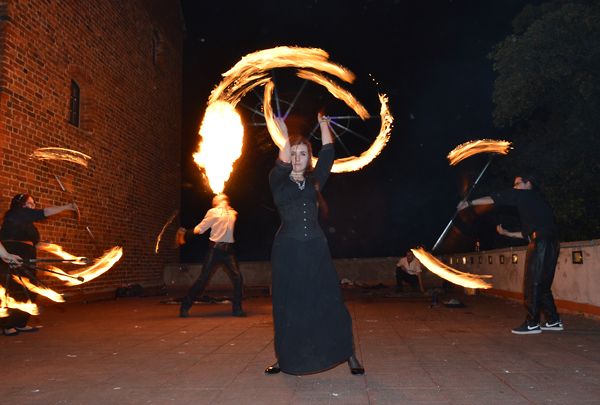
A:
x,y
18,225
298,208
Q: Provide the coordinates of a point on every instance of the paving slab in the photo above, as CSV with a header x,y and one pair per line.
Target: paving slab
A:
x,y
136,350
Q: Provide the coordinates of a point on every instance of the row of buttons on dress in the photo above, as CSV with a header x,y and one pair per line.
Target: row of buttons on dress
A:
x,y
305,219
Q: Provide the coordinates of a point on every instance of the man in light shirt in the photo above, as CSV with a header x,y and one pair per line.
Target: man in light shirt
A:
x,y
221,220
409,269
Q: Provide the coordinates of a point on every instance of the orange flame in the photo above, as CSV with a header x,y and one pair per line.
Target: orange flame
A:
x,y
252,68
58,251
6,301
471,148
46,292
348,164
163,229
100,266
450,274
67,155
336,91
222,136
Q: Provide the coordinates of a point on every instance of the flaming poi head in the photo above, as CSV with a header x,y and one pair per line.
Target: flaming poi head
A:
x,y
66,155
471,148
450,274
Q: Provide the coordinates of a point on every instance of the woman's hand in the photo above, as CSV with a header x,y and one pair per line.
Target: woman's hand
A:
x,y
282,127
12,260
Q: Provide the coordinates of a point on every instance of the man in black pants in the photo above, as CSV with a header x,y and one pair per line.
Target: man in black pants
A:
x,y
221,219
537,226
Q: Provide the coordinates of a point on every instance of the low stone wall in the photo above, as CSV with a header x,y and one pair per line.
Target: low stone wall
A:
x,y
575,286
370,270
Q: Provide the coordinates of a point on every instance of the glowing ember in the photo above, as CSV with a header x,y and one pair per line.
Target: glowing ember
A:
x,y
58,251
471,148
100,266
67,155
46,292
450,274
222,135
163,229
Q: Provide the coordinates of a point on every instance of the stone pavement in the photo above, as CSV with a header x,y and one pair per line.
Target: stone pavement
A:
x,y
138,351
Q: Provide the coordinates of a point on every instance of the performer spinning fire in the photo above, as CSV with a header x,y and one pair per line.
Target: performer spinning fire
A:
x,y
221,218
313,328
19,236
537,226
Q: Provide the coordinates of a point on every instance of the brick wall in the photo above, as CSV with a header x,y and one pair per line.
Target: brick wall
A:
x,y
126,56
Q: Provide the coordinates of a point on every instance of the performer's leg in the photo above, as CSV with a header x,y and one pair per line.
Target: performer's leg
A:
x,y
232,266
399,272
551,253
534,274
210,260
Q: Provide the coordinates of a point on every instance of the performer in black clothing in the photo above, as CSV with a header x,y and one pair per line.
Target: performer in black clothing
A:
x,y
19,236
313,327
221,220
538,227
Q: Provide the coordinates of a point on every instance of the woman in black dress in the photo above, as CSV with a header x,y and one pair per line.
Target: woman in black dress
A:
x,y
20,237
313,328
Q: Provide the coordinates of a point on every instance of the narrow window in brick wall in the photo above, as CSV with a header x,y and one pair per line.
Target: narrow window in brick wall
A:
x,y
158,53
75,103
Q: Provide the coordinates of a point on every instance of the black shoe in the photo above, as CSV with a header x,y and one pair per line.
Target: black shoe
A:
x,y
239,313
274,369
27,329
558,325
528,328
183,312
355,367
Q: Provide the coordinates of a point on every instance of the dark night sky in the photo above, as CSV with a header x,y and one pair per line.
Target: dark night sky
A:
x,y
429,57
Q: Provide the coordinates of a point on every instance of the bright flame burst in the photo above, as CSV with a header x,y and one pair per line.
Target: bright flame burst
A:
x,y
58,251
222,135
471,148
450,274
67,155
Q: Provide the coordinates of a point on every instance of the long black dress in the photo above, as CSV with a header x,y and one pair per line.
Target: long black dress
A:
x,y
313,328
19,236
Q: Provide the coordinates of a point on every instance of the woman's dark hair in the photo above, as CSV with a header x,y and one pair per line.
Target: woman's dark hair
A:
x,y
297,140
18,202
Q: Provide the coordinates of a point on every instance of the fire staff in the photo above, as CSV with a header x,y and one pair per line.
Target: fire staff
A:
x,y
221,219
538,227
19,236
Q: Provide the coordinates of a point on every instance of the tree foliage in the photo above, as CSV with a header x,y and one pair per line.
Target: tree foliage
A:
x,y
548,95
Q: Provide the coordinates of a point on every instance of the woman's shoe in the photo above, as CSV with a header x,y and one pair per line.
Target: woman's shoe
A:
x,y
27,329
355,367
10,332
274,369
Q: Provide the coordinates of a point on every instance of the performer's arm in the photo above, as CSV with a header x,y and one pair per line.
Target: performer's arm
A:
x,y
480,201
504,232
285,153
326,137
420,282
49,211
207,222
9,258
